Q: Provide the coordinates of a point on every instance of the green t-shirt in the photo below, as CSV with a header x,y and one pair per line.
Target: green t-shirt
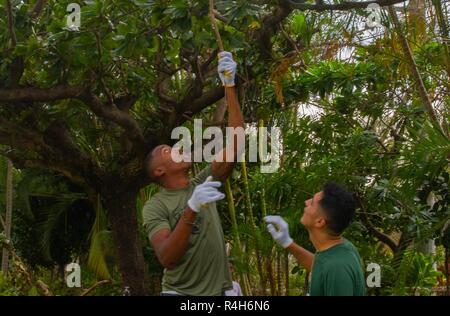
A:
x,y
337,271
203,270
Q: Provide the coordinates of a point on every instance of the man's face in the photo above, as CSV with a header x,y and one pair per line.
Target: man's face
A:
x,y
231,268
163,160
313,215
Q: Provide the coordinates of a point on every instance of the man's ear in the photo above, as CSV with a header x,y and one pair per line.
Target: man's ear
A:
x,y
158,172
321,222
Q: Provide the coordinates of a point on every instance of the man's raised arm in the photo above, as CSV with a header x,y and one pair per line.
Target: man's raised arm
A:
x,y
223,165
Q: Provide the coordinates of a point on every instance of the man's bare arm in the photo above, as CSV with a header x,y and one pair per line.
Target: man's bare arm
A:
x,y
220,168
303,256
170,246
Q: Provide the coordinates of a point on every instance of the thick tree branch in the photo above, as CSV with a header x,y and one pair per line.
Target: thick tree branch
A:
x,y
126,102
379,235
55,150
208,98
194,90
17,142
37,9
161,91
21,162
58,136
269,26
122,118
33,94
194,99
20,137
117,116
204,66
184,112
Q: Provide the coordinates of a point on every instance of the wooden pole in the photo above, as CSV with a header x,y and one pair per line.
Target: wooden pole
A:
x,y
214,25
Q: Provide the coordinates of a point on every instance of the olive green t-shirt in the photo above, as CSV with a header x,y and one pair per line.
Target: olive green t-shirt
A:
x,y
204,269
337,271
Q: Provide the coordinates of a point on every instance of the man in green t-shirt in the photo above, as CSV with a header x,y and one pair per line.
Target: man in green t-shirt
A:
x,y
181,220
336,266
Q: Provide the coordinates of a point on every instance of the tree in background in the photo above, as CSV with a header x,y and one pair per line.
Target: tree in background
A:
x,y
90,104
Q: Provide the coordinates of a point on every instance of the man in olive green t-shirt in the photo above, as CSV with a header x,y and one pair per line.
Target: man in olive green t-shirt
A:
x,y
335,268
181,220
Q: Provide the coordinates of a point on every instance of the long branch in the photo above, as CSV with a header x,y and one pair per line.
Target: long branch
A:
x,y
208,98
378,234
420,86
115,115
60,92
55,149
269,26
21,162
33,94
37,9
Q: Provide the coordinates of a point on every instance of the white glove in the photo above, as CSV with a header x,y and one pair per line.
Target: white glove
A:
x,y
281,233
205,193
227,69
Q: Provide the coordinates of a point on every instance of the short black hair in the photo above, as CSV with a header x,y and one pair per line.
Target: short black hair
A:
x,y
148,167
339,206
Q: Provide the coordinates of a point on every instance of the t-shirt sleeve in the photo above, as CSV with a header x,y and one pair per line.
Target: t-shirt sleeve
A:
x,y
155,217
202,175
338,281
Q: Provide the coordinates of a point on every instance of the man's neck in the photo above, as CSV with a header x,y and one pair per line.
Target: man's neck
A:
x,y
323,241
176,181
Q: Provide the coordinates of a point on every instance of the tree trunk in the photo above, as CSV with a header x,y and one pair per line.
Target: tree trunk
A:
x,y
8,218
123,218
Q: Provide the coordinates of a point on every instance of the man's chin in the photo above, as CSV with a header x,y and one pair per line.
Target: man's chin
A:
x,y
302,221
182,161
185,164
